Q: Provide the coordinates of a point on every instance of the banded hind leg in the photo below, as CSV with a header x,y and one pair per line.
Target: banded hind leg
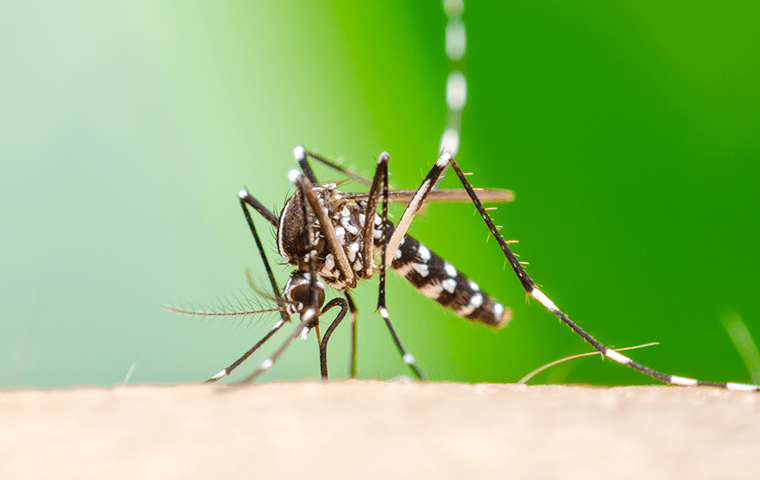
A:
x,y
531,289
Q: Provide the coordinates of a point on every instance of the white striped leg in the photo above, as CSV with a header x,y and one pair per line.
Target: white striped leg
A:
x,y
247,354
530,287
307,319
387,228
407,357
414,207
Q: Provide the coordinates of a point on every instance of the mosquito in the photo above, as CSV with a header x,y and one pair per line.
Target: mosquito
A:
x,y
333,237
338,238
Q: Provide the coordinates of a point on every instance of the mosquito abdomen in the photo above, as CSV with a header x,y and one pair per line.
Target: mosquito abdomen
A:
x,y
440,281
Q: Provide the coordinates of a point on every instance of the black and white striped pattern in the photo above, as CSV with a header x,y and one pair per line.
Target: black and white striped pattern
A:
x,y
439,280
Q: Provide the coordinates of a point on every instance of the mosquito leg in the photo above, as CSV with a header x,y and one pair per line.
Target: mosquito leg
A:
x,y
379,186
407,357
386,229
414,206
306,321
247,354
303,162
323,346
315,304
319,338
352,317
247,199
530,287
303,155
309,317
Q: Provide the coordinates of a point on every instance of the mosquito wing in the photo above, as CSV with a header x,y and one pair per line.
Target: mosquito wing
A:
x,y
486,195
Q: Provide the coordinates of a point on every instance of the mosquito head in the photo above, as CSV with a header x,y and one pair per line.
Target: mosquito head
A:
x,y
298,295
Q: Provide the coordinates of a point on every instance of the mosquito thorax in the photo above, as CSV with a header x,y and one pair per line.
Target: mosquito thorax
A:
x,y
298,237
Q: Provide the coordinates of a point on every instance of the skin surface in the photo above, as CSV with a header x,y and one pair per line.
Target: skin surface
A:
x,y
372,429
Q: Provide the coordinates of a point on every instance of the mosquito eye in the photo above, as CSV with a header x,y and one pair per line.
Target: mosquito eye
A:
x,y
300,294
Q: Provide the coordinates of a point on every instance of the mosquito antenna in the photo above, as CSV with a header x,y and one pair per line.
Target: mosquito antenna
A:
x,y
200,313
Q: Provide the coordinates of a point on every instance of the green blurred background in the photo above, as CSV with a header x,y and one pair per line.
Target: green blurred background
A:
x,y
630,134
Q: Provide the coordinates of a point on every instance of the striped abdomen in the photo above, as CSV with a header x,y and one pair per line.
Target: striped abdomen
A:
x,y
440,281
